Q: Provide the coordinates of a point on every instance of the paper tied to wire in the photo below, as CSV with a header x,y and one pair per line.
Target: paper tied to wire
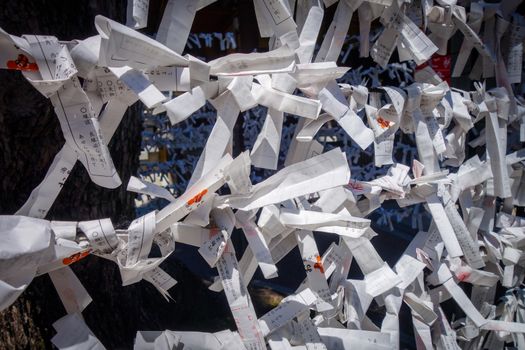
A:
x,y
475,235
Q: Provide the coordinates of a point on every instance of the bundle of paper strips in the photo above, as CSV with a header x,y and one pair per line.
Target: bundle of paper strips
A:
x,y
475,236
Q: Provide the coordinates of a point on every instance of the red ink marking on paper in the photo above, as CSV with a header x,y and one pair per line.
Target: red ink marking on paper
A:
x,y
319,264
22,63
198,197
384,124
463,276
76,257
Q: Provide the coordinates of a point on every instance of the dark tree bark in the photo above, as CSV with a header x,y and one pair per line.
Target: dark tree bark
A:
x,y
30,136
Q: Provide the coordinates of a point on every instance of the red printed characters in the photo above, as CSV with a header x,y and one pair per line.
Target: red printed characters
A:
x,y
384,124
198,197
319,264
22,63
76,257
